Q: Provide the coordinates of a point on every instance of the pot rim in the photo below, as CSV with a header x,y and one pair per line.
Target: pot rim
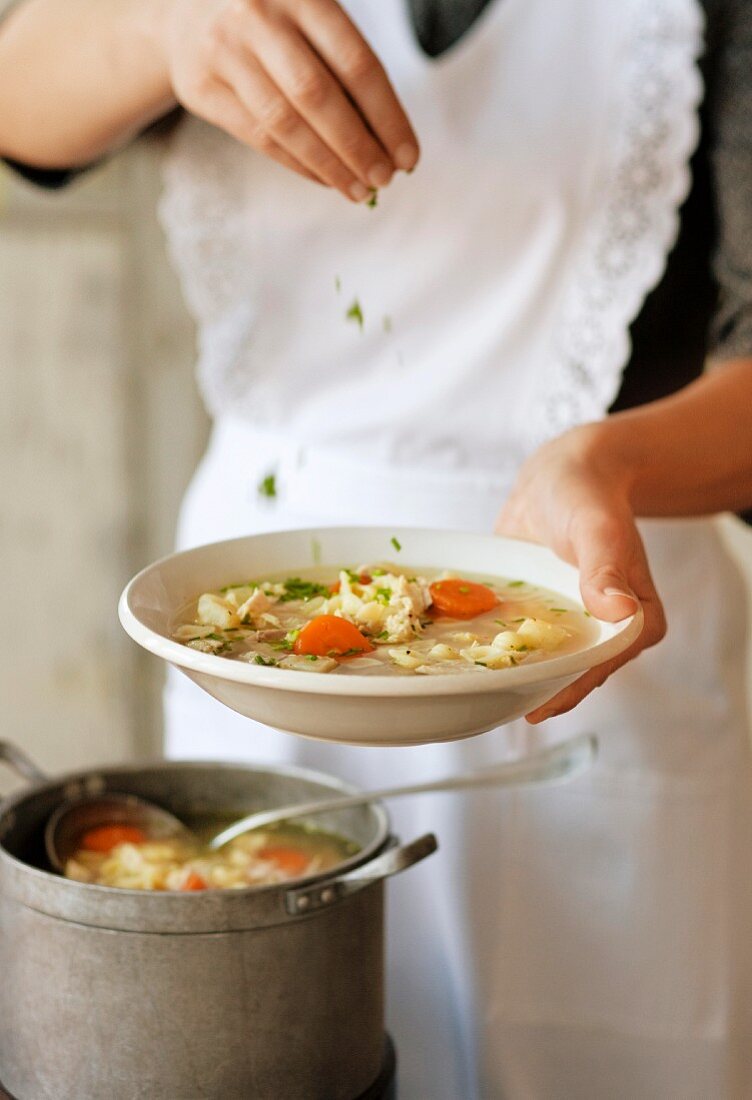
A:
x,y
210,911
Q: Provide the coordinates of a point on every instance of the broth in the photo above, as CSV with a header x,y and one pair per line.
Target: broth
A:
x,y
378,620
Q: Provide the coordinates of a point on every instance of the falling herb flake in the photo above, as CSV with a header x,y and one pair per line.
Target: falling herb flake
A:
x,y
373,201
559,610
355,313
337,284
386,324
396,543
268,486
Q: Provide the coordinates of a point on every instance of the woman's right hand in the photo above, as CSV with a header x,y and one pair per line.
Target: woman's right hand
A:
x,y
295,80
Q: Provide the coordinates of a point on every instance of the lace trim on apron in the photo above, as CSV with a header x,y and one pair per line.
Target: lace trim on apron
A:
x,y
629,239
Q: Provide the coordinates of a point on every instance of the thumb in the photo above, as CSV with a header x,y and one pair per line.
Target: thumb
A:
x,y
604,558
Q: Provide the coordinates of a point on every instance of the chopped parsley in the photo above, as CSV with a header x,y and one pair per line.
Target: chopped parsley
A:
x,y
378,572
500,622
351,653
515,584
297,589
267,662
373,201
519,620
559,610
311,657
383,595
352,576
355,313
383,636
396,543
268,486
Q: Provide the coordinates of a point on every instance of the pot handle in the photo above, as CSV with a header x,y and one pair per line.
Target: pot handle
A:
x,y
20,763
309,898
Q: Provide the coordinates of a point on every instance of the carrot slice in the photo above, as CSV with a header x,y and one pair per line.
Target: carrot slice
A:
x,y
461,599
106,837
194,882
330,636
363,579
290,860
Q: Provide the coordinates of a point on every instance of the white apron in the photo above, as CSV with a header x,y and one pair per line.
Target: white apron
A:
x,y
584,941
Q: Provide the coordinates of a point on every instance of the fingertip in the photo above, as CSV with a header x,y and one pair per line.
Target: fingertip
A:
x,y
406,156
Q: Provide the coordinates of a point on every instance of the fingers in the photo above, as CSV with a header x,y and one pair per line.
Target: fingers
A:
x,y
614,580
221,107
316,96
276,120
356,66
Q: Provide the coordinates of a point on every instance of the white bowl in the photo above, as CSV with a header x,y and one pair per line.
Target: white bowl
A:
x,y
368,710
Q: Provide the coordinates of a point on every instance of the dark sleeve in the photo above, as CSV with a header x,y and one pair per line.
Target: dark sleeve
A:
x,y
730,138
51,178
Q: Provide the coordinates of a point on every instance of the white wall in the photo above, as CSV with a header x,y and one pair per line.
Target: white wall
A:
x,y
100,428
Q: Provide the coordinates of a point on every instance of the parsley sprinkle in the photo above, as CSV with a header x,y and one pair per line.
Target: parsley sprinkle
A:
x,y
383,595
515,584
396,543
355,313
297,589
587,614
268,486
311,657
267,662
500,622
463,589
383,636
378,572
519,620
559,610
373,201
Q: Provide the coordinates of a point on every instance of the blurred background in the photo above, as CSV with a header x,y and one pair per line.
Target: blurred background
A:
x,y
100,429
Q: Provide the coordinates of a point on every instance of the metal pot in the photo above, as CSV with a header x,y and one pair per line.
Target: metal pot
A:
x,y
270,993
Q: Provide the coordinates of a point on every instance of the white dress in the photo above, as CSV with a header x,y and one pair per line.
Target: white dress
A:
x,y
587,941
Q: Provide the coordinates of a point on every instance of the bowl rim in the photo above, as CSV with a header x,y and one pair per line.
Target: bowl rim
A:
x,y
626,631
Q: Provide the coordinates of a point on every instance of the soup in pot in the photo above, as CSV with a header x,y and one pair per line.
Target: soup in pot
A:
x,y
122,856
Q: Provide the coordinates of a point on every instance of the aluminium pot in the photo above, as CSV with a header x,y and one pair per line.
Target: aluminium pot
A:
x,y
268,993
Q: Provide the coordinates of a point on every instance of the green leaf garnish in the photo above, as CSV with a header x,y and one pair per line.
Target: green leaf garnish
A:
x,y
396,543
515,584
268,486
383,636
355,313
297,589
267,662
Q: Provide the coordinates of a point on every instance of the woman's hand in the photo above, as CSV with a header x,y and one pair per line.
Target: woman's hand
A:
x,y
571,498
295,80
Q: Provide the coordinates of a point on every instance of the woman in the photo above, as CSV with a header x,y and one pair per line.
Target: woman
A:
x,y
582,941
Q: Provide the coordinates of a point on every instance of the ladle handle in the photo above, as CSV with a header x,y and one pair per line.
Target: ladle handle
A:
x,y
20,763
555,763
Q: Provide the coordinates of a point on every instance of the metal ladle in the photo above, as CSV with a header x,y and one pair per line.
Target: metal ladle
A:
x,y
66,826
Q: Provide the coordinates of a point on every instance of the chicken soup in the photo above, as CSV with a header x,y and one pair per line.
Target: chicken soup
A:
x,y
383,620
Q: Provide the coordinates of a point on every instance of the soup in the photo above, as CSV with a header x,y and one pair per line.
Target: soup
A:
x,y
384,620
122,856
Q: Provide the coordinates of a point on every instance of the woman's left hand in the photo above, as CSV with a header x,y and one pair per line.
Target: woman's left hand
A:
x,y
570,498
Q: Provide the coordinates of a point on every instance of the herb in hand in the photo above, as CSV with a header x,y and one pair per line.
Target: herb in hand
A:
x,y
355,313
